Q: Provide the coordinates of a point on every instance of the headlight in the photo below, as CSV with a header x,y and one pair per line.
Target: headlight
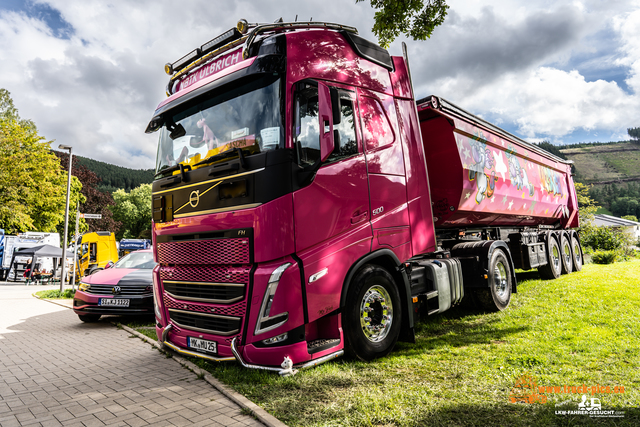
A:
x,y
265,321
84,286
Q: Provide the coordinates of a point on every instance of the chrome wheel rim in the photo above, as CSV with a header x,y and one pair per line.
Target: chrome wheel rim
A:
x,y
555,257
567,252
500,282
376,313
577,253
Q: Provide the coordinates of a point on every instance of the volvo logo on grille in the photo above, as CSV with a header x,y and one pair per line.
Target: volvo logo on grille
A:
x,y
194,198
116,290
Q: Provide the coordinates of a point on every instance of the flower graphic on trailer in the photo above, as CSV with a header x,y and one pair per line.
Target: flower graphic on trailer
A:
x,y
481,156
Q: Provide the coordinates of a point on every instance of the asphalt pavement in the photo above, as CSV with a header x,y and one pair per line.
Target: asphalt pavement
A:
x,y
58,371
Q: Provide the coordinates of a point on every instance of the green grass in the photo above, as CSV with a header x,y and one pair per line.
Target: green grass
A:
x,y
579,329
55,294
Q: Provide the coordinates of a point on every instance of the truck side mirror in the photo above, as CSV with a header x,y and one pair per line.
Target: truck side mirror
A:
x,y
325,115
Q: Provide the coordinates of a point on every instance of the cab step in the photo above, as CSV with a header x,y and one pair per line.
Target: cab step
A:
x,y
322,344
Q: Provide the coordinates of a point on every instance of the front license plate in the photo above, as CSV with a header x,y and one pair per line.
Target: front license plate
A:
x,y
202,345
113,302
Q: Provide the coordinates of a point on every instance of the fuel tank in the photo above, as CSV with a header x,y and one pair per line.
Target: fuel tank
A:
x,y
481,175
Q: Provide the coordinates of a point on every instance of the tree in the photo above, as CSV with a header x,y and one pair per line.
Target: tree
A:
x,y
634,133
133,209
32,184
414,18
96,201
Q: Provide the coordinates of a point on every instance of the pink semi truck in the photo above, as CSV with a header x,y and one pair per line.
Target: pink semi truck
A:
x,y
305,204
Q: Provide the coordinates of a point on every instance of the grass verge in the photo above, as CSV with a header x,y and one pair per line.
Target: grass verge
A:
x,y
581,329
56,294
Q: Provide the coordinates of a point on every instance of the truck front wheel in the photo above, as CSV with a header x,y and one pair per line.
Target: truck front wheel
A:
x,y
498,296
372,315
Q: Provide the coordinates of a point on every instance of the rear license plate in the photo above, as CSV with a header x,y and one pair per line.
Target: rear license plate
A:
x,y
113,302
202,345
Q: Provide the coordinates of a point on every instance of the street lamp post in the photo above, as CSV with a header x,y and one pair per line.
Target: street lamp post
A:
x,y
66,219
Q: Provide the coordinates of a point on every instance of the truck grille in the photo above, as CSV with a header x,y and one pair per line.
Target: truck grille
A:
x,y
222,293
129,290
208,323
204,252
211,274
238,309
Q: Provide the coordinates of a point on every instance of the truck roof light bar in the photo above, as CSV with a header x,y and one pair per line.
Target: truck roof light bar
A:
x,y
213,47
283,26
438,103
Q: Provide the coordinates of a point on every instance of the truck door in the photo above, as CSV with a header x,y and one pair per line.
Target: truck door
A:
x,y
385,166
332,212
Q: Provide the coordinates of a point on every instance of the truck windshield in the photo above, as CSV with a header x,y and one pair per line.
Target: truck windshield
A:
x,y
248,117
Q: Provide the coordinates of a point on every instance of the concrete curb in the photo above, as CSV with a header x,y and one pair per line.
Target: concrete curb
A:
x,y
256,411
52,301
259,413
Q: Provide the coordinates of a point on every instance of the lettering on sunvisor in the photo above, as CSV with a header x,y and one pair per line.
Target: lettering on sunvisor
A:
x,y
209,69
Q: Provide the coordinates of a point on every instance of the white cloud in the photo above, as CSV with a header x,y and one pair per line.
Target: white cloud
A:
x,y
508,60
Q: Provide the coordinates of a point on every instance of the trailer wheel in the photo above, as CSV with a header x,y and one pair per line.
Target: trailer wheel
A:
x,y
565,252
89,318
553,268
372,315
576,250
498,295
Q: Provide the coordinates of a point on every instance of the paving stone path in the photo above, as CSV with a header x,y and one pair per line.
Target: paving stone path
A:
x,y
57,371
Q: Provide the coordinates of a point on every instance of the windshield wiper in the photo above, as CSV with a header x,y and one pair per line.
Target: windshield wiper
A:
x,y
178,178
224,155
167,170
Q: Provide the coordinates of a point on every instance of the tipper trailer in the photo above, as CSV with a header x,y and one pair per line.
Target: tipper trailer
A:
x,y
305,204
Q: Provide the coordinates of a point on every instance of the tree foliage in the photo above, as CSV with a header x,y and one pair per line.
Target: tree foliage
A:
x,y
96,201
620,199
634,133
414,18
133,210
114,177
32,184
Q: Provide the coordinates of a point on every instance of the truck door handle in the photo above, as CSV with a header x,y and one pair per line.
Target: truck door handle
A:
x,y
358,218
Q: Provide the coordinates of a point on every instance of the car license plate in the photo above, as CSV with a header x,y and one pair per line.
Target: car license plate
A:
x,y
202,345
113,302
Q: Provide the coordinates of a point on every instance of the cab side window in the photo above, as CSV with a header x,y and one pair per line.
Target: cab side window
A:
x,y
347,145
307,127
93,252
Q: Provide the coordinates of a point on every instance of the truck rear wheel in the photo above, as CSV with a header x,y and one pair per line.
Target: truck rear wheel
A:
x,y
566,253
498,295
576,250
372,315
553,268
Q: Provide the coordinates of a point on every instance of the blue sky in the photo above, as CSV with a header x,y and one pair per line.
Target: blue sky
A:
x,y
89,73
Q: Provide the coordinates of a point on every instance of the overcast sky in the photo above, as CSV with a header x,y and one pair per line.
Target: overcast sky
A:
x,y
90,73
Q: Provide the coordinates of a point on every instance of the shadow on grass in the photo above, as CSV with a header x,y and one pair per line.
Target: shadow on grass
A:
x,y
509,414
521,276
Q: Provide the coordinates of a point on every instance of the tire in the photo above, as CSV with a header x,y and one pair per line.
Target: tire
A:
x,y
372,315
498,295
576,250
566,253
89,318
553,268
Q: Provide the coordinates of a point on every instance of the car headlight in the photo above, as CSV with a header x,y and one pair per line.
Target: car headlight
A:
x,y
84,286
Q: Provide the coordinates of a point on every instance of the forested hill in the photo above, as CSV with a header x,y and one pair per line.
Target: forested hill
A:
x,y
115,177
